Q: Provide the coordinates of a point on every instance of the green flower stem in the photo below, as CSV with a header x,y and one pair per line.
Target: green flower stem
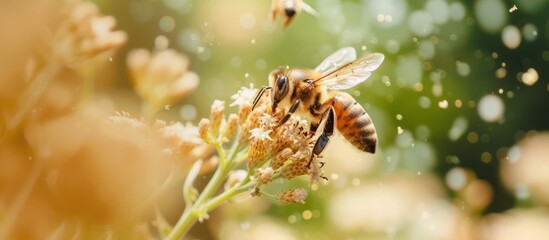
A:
x,y
225,196
188,218
204,203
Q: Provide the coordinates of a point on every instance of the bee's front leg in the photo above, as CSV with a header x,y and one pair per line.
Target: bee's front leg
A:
x,y
329,119
259,94
286,117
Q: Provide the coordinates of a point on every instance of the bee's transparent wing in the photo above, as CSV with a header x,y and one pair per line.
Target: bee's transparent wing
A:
x,y
307,8
352,73
336,60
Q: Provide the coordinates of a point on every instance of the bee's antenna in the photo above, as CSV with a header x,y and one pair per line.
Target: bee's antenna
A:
x,y
259,94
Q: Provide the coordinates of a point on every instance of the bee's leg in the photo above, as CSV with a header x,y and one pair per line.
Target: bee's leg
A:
x,y
259,94
327,131
313,127
293,108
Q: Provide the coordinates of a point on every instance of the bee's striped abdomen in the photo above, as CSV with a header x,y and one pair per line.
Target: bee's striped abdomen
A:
x,y
354,123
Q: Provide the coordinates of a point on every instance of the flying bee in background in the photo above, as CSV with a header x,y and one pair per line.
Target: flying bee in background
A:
x,y
306,92
289,9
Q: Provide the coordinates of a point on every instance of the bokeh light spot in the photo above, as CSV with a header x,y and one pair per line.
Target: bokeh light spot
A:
x,y
490,14
491,108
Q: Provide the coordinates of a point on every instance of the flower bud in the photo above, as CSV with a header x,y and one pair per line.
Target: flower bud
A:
x,y
203,127
257,155
216,116
230,126
265,175
295,169
297,195
281,157
243,111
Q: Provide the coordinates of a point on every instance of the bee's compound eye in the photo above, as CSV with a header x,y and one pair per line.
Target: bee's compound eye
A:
x,y
281,88
290,12
281,82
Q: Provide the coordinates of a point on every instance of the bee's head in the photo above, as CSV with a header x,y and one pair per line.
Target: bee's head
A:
x,y
280,84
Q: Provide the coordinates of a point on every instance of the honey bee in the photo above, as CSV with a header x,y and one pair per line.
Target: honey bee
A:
x,y
306,92
289,9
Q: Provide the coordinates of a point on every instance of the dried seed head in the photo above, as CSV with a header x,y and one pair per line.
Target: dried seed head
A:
x,y
295,169
257,155
216,117
203,127
230,126
297,195
298,167
265,175
243,112
281,157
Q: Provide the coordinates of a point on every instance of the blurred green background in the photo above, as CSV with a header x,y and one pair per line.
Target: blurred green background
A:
x,y
442,58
